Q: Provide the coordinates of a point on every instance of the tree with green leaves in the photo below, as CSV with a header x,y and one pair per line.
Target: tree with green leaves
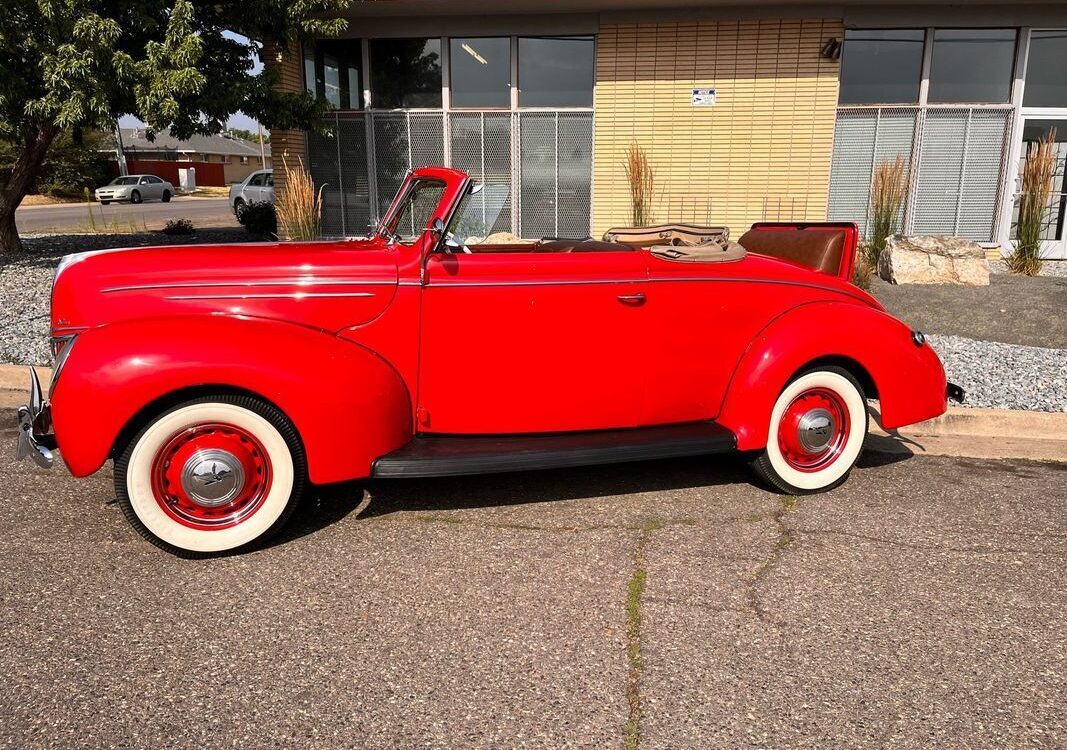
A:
x,y
73,66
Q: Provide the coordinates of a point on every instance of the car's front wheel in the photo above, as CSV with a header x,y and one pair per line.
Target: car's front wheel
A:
x,y
817,429
135,196
238,207
211,475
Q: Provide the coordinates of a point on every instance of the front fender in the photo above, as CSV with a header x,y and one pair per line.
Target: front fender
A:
x,y
348,405
909,379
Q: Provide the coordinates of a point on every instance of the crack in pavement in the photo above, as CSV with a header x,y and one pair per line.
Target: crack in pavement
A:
x,y
785,538
635,592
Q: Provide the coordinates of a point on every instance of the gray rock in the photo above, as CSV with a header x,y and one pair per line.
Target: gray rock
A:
x,y
933,260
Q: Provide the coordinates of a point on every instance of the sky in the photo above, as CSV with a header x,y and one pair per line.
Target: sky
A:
x,y
239,120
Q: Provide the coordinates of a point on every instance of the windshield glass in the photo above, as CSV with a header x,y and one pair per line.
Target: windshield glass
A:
x,y
418,206
480,215
124,181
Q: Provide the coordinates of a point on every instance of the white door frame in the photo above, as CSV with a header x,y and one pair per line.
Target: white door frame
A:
x,y
1015,147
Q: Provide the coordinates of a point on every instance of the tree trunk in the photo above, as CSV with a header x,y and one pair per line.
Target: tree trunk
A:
x,y
23,173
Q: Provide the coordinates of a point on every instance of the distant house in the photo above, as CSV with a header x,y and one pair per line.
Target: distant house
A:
x,y
218,159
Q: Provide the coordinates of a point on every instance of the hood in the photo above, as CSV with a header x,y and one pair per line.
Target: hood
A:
x,y
325,285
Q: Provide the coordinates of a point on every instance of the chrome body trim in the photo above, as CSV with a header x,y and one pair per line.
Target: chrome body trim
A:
x,y
290,295
265,283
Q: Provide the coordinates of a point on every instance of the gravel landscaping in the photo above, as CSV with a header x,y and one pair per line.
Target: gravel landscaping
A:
x,y
1023,365
1005,376
26,282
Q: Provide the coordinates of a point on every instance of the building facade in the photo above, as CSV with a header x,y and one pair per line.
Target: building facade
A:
x,y
235,157
746,112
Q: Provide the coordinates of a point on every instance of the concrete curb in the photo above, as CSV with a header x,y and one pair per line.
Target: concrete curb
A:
x,y
966,432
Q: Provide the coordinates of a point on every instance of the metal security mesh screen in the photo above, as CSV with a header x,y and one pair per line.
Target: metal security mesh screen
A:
x,y
536,166
862,139
403,141
960,171
555,153
481,146
956,160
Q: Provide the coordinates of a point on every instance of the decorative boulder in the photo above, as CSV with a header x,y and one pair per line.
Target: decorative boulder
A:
x,y
937,259
933,260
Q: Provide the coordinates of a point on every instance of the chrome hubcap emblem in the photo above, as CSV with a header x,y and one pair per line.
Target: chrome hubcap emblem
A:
x,y
212,477
815,430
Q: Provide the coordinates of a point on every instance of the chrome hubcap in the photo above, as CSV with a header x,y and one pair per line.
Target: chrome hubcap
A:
x,y
815,429
212,477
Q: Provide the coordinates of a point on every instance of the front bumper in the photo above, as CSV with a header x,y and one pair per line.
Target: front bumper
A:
x,y
35,438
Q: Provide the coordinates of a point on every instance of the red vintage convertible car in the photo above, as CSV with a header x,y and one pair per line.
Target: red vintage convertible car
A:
x,y
224,380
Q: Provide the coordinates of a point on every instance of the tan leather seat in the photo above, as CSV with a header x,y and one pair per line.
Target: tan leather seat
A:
x,y
818,248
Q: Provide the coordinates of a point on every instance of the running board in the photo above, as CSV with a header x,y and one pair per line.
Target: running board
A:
x,y
453,455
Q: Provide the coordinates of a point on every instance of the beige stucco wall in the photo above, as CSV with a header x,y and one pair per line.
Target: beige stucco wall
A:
x,y
761,153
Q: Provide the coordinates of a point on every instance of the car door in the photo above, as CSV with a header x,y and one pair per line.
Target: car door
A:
x,y
253,191
268,187
144,185
518,342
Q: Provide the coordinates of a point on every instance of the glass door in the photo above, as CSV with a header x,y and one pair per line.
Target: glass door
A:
x,y
1055,221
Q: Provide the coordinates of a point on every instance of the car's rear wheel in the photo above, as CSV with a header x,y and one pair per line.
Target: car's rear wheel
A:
x,y
212,475
135,196
166,196
817,430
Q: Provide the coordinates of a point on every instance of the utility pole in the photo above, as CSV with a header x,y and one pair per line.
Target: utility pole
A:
x,y
120,150
262,149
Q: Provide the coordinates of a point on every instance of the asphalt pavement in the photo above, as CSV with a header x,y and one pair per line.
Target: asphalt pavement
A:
x,y
923,604
123,217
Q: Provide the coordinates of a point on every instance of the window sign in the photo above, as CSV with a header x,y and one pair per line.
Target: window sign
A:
x,y
703,97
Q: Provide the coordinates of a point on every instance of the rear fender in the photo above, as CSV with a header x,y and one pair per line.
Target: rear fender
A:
x,y
909,379
348,405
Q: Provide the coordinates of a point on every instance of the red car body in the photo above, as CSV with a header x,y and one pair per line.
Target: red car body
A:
x,y
365,344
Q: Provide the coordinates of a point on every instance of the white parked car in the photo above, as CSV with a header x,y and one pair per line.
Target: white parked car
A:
x,y
135,188
256,188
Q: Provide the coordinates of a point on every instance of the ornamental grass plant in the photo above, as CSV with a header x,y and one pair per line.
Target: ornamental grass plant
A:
x,y
889,190
299,206
642,180
1035,187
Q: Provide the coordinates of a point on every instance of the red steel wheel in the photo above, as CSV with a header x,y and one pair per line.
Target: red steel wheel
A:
x,y
211,475
813,429
816,433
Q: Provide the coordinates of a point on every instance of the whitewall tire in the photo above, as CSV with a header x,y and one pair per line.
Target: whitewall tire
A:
x,y
816,432
211,475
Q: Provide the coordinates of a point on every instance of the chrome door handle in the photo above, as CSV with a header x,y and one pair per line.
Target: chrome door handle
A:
x,y
632,299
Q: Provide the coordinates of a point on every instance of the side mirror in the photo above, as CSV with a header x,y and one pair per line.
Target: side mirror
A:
x,y
438,228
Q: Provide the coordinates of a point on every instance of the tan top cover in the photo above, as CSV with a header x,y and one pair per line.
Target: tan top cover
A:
x,y
666,234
